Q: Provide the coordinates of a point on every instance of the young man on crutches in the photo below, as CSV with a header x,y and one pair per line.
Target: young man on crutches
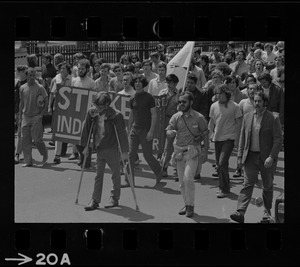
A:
x,y
106,143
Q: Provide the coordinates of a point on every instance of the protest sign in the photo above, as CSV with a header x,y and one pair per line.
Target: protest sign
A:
x,y
72,104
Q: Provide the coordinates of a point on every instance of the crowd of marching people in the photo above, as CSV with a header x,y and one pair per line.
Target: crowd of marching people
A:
x,y
221,90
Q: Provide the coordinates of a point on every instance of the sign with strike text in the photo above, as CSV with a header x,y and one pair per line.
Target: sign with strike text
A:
x,y
72,104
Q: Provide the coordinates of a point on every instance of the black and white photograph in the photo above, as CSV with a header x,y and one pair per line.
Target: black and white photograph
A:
x,y
149,131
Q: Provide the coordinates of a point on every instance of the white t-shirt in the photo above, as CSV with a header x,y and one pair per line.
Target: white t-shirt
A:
x,y
131,92
156,85
225,120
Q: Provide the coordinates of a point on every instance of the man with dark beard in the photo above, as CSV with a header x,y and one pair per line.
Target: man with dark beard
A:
x,y
259,145
105,119
190,129
83,81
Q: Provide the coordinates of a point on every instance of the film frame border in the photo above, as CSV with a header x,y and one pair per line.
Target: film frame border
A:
x,y
217,233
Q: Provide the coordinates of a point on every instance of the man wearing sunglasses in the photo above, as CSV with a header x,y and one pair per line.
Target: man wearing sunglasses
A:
x,y
189,128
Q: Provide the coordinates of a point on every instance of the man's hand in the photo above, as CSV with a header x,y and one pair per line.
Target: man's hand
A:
x,y
49,110
149,136
171,133
268,162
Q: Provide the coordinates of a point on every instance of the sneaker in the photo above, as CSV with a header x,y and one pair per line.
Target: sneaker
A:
x,y
237,217
182,211
74,156
189,211
56,160
17,159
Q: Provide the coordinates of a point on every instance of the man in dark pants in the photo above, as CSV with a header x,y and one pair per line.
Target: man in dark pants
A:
x,y
142,120
259,145
104,119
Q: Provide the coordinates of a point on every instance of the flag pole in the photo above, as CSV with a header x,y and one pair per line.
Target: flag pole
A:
x,y
183,89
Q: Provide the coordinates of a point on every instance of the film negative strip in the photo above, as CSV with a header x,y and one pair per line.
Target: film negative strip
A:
x,y
42,224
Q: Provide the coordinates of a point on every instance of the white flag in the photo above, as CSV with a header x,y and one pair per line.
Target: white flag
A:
x,y
180,63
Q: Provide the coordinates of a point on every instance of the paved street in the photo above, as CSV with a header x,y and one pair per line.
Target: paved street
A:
x,y
47,194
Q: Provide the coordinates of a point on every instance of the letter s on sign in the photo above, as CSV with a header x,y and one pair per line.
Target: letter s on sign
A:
x,y
67,101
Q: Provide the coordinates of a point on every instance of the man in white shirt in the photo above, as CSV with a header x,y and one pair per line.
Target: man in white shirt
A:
x,y
159,83
148,73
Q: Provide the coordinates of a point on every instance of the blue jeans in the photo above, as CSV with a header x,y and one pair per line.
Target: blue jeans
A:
x,y
32,129
136,137
223,151
112,158
252,166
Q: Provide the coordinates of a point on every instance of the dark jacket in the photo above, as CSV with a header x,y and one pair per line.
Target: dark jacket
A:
x,y
109,140
270,136
276,103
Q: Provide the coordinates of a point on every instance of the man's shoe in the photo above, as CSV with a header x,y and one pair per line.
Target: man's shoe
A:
x,y
51,143
221,194
238,173
74,156
56,160
17,159
237,217
197,177
92,205
189,211
215,174
125,185
111,204
182,211
27,165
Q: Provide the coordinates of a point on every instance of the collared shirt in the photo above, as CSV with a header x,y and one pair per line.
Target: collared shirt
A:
x,y
241,69
150,77
102,85
58,80
156,85
256,124
172,102
116,85
194,120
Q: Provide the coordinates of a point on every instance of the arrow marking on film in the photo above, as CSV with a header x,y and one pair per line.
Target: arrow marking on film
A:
x,y
22,260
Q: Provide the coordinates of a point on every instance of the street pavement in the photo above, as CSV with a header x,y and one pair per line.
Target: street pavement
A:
x,y
47,194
